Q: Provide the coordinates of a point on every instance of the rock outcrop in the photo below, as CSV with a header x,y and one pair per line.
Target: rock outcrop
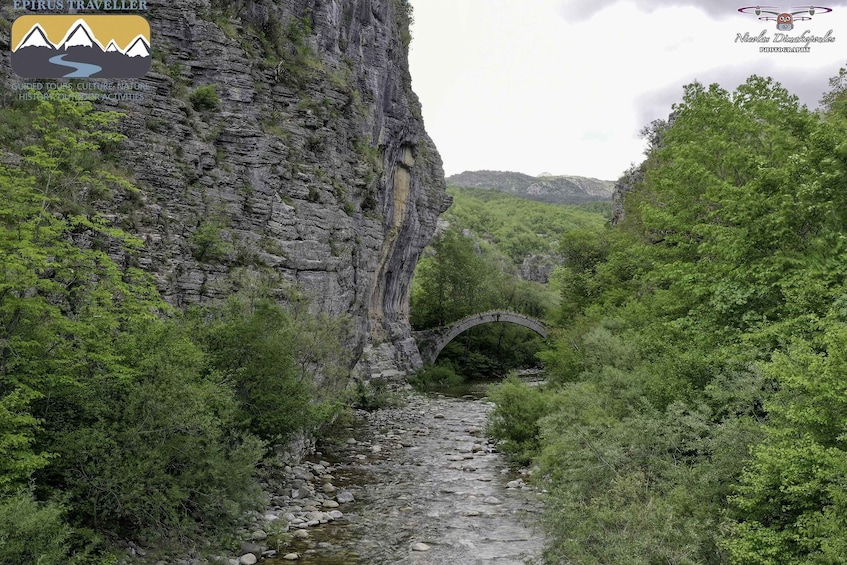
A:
x,y
628,182
282,139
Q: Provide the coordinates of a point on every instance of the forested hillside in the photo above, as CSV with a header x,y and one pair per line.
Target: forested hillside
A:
x,y
696,411
553,189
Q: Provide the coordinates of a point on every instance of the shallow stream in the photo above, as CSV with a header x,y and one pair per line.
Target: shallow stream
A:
x,y
424,473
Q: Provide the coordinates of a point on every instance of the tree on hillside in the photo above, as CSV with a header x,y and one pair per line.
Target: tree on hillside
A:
x,y
454,282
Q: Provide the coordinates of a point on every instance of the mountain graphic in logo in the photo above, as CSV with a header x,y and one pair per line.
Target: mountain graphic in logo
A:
x,y
79,51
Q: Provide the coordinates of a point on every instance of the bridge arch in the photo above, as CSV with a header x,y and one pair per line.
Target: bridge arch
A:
x,y
431,342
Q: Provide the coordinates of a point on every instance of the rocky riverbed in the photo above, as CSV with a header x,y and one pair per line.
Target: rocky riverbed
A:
x,y
416,484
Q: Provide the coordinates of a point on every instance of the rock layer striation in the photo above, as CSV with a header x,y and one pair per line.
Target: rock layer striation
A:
x,y
281,140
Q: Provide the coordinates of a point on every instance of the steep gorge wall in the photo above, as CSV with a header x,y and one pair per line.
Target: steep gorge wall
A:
x,y
314,166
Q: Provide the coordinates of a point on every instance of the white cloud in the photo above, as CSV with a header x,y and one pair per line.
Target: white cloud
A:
x,y
517,85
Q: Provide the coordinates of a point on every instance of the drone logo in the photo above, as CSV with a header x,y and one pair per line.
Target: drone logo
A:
x,y
784,19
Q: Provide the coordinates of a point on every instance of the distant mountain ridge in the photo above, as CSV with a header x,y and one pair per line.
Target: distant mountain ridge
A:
x,y
564,189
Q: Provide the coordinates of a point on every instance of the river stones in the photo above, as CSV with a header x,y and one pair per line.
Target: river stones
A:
x,y
252,548
345,497
492,500
248,559
420,547
302,474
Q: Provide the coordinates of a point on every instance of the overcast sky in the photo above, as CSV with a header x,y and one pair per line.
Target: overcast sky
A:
x,y
564,86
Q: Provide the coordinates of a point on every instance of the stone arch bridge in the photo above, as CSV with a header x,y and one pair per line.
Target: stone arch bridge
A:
x,y
432,341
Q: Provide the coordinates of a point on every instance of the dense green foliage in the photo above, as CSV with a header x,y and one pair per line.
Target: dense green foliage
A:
x,y
474,266
458,279
119,418
696,408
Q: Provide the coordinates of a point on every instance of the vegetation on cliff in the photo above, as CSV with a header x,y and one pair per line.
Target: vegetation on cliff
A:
x,y
119,417
696,407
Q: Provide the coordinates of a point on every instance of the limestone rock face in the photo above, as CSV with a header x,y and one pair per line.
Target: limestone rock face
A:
x,y
538,268
305,157
626,184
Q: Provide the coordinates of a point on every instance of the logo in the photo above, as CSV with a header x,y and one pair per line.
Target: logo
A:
x,y
784,18
62,46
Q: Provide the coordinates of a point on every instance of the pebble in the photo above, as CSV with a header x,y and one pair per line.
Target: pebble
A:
x,y
421,547
330,504
492,500
302,474
247,559
328,488
344,497
249,547
336,514
300,534
291,556
259,535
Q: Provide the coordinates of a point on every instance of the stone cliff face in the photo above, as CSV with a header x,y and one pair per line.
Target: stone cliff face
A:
x,y
626,184
283,137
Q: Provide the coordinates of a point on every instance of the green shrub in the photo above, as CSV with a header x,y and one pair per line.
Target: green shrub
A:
x,y
207,243
514,422
31,532
373,395
252,347
431,377
205,98
156,453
